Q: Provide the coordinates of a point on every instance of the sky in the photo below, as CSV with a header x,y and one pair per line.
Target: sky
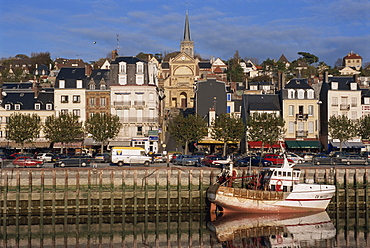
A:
x,y
258,29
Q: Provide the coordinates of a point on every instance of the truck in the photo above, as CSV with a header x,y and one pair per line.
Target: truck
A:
x,y
130,156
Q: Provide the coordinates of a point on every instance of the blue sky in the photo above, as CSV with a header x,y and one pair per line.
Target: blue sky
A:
x,y
256,28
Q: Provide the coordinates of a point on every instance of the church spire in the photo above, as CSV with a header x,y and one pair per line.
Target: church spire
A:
x,y
187,45
187,28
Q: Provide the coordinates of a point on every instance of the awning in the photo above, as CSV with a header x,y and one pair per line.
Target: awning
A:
x,y
119,143
68,145
347,144
303,144
35,144
258,144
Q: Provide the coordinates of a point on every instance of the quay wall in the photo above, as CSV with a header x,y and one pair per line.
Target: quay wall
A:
x,y
146,189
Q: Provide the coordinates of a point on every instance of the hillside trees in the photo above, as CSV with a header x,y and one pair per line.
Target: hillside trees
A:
x,y
23,128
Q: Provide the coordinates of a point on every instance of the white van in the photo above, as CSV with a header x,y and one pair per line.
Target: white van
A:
x,y
130,156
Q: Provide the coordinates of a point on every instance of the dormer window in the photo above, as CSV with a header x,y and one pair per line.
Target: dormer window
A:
x,y
17,106
8,107
37,106
310,94
79,84
291,94
139,67
92,86
334,85
353,86
139,79
62,84
254,87
122,68
103,87
49,106
300,94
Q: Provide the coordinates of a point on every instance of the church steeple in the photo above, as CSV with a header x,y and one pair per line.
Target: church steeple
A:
x,y
187,45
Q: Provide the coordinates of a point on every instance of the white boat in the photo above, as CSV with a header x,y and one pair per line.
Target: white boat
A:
x,y
273,190
273,230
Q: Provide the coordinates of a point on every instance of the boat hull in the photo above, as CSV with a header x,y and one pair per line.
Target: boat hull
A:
x,y
303,199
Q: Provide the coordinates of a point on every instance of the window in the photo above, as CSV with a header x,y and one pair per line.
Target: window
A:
x,y
228,96
310,110
64,99
254,87
17,106
92,101
300,94
76,99
103,101
291,110
62,84
310,127
122,79
92,86
353,115
291,127
300,126
64,111
353,86
310,94
139,130
49,106
139,79
122,67
79,84
37,106
334,85
354,101
334,101
139,67
366,100
291,94
76,112
103,87
228,109
7,107
139,115
151,96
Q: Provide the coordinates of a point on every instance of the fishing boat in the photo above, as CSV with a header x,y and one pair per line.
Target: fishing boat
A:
x,y
272,190
272,230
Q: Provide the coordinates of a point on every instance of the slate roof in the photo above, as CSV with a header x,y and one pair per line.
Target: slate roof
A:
x,y
127,59
205,65
10,86
298,83
70,75
263,102
99,74
27,99
344,83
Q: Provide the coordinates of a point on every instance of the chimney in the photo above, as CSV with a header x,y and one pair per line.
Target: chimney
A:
x,y
114,54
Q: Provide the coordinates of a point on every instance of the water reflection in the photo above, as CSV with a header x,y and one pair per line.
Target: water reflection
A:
x,y
273,230
178,229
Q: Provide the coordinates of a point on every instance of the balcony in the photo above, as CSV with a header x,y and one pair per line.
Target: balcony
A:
x,y
344,107
301,134
139,103
301,116
120,104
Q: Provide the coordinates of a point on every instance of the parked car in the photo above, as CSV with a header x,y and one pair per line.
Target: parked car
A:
x,y
276,158
325,159
57,157
215,161
81,161
102,157
253,160
193,160
159,158
296,158
26,161
308,156
174,156
354,159
46,157
178,160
